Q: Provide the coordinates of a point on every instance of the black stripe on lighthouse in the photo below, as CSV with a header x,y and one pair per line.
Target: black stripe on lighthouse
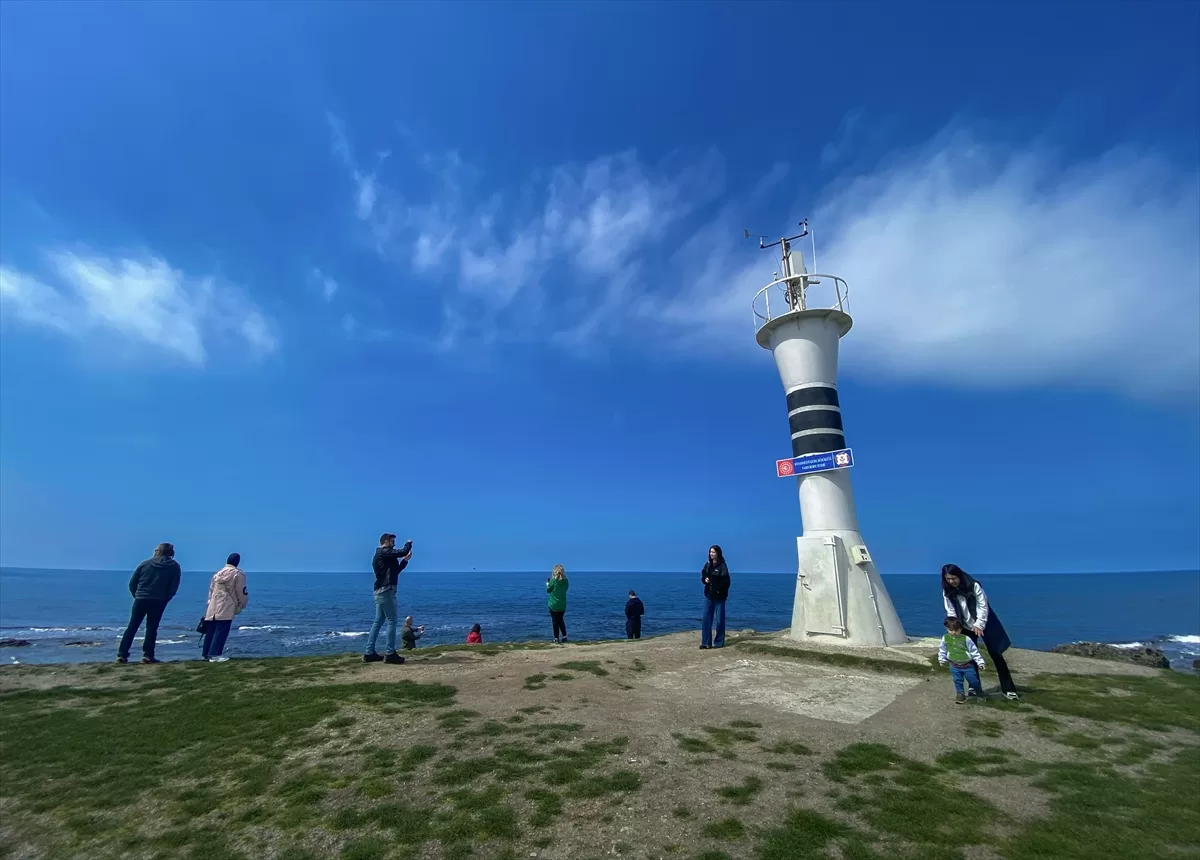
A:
x,y
815,420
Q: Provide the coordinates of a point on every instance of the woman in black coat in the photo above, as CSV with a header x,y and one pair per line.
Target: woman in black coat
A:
x,y
715,576
965,599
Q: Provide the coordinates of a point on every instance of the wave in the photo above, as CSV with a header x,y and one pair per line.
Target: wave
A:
x,y
1175,647
270,628
57,629
1185,640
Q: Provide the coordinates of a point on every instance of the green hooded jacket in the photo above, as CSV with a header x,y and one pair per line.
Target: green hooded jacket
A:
x,y
557,589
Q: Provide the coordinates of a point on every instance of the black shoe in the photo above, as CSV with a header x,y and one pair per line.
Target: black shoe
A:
x,y
705,647
371,658
394,659
564,640
555,640
960,699
151,660
122,660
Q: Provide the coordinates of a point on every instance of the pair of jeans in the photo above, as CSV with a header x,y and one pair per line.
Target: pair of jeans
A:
x,y
713,609
964,676
215,634
633,628
559,621
150,611
1007,685
385,610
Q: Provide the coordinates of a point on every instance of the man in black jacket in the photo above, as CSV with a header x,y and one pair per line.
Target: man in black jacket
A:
x,y
387,564
153,584
634,610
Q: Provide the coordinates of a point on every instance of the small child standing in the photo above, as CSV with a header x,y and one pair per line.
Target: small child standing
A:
x,y
963,657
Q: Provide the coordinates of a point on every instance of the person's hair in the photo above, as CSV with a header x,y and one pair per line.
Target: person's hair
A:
x,y
953,625
632,593
558,572
965,583
475,628
165,550
383,538
235,558
408,619
720,555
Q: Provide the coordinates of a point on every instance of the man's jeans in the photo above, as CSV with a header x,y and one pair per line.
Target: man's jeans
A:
x,y
150,611
964,676
385,610
713,608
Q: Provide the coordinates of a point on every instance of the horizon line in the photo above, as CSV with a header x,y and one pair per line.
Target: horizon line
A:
x,y
359,572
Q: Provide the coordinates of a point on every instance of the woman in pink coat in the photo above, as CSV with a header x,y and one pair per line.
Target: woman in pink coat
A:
x,y
227,596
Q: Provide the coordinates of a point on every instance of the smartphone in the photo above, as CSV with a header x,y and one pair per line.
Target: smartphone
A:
x,y
407,547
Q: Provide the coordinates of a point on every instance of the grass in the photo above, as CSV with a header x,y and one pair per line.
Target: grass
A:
x,y
591,666
743,794
290,761
535,682
844,661
726,830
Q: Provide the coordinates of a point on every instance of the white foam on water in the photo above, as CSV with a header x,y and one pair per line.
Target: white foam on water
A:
x,y
1185,640
271,628
1130,645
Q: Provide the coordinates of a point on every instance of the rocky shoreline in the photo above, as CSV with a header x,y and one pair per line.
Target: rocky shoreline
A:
x,y
1144,656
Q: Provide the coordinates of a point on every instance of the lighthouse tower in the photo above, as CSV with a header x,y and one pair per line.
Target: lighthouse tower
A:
x,y
840,596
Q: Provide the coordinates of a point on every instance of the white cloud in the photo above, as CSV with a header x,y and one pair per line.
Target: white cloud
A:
x,y
977,266
968,264
142,299
327,285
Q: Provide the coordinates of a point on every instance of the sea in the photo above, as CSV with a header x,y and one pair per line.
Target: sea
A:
x,y
73,616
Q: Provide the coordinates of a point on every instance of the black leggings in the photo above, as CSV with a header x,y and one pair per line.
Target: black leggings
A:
x,y
560,624
1002,671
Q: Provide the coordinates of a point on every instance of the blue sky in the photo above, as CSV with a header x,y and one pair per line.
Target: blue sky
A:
x,y
278,278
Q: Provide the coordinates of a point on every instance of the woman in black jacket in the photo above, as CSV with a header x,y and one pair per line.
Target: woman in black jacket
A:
x,y
715,576
965,599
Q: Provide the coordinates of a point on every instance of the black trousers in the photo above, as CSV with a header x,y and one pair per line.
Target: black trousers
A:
x,y
150,611
560,624
1002,672
633,628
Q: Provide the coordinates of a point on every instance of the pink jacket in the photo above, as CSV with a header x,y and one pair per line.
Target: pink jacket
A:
x,y
227,594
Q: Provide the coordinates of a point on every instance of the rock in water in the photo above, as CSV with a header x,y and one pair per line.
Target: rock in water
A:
x,y
1151,657
15,643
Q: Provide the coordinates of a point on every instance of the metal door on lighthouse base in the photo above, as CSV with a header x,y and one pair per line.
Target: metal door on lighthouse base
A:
x,y
821,586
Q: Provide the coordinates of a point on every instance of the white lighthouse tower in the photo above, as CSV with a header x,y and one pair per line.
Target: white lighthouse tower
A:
x,y
840,596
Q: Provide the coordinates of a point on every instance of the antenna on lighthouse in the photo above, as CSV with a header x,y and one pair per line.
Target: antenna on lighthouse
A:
x,y
795,276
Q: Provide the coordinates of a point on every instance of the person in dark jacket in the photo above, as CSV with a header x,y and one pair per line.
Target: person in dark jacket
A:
x,y
965,599
634,610
409,634
387,564
153,584
715,576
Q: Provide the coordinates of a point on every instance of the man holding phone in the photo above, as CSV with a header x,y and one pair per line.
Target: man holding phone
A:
x,y
387,564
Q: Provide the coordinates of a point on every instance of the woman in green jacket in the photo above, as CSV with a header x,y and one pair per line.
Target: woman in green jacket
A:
x,y
556,587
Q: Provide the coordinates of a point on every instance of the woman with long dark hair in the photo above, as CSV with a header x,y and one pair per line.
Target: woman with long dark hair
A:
x,y
715,576
966,600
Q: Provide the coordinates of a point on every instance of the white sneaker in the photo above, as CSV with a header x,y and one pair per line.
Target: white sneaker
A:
x,y
1012,696
218,659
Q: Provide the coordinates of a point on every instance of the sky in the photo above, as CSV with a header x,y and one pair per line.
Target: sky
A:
x,y
276,278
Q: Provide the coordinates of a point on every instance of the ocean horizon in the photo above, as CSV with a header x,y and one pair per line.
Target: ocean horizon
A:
x,y
72,616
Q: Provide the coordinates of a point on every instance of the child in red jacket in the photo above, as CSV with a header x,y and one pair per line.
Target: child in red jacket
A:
x,y
475,637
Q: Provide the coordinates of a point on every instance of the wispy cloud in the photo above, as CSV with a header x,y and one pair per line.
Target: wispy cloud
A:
x,y
976,265
143,299
968,263
327,286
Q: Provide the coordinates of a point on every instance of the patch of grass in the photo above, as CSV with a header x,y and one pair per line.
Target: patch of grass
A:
x,y
1083,741
548,806
729,737
743,794
726,830
552,732
788,748
600,785
414,757
858,759
713,855
785,766
846,661
562,676
367,848
1158,703
977,728
987,761
592,666
1042,724
682,813
694,745
1093,805
803,835
638,665
533,709
535,682
744,724
456,719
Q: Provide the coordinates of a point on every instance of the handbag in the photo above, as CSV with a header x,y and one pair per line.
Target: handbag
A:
x,y
202,627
